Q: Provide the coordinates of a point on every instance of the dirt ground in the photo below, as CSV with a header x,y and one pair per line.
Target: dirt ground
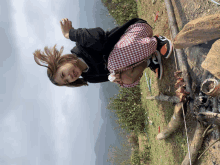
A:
x,y
185,11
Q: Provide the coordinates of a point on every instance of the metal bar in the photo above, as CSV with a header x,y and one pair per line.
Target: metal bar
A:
x,y
181,59
205,75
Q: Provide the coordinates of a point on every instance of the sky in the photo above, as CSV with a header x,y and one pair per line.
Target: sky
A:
x,y
40,123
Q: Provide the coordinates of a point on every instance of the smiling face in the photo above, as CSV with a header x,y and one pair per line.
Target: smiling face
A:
x,y
67,73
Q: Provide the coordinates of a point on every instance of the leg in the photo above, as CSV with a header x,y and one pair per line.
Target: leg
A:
x,y
132,75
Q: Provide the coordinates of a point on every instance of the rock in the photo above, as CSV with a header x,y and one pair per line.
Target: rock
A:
x,y
154,1
211,63
198,31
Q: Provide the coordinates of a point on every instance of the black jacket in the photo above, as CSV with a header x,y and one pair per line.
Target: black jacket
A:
x,y
94,46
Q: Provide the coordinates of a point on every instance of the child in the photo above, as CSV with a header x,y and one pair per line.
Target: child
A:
x,y
132,52
91,53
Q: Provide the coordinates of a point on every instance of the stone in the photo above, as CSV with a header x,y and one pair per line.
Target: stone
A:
x,y
198,31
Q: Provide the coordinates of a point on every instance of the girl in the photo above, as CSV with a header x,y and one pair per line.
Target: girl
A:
x,y
94,48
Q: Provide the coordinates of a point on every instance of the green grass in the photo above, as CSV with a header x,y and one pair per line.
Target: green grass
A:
x,y
172,150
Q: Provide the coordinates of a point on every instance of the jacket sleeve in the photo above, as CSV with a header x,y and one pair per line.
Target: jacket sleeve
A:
x,y
93,38
99,79
112,31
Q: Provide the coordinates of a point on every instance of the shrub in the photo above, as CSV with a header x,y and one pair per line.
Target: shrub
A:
x,y
127,107
135,158
132,139
121,10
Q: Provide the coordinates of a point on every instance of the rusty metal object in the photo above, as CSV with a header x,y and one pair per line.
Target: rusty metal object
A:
x,y
211,87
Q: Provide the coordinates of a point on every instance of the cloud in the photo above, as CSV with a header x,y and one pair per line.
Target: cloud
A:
x,y
27,135
14,147
12,135
36,24
51,123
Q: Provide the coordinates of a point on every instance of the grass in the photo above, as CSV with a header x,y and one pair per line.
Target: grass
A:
x,y
172,150
151,151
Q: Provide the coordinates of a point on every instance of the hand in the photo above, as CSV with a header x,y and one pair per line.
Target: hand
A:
x,y
118,79
66,25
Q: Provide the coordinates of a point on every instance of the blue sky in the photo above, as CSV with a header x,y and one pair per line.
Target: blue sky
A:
x,y
42,124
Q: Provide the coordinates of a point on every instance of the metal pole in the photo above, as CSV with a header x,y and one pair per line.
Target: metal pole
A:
x,y
182,62
181,59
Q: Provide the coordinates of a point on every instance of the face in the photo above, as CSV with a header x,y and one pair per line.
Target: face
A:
x,y
67,73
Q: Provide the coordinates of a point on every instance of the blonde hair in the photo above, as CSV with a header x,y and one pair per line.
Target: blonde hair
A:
x,y
52,57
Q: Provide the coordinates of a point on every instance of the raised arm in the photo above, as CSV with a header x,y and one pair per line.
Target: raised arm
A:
x,y
66,25
93,38
90,38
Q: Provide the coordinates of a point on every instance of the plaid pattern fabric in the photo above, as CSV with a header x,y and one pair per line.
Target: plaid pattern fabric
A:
x,y
134,47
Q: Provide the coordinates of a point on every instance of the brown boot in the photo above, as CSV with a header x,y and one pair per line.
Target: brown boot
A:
x,y
175,122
